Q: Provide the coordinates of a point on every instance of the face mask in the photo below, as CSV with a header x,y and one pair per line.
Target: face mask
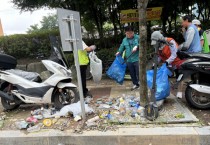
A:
x,y
199,28
161,46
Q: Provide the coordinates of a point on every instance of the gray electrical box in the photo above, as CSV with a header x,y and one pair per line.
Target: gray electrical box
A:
x,y
64,19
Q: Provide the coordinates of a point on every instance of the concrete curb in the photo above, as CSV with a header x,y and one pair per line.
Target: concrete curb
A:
x,y
123,136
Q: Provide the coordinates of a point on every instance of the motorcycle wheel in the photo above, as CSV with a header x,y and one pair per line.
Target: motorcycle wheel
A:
x,y
196,99
7,104
151,112
72,96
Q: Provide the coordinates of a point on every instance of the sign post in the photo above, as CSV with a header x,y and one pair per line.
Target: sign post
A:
x,y
71,38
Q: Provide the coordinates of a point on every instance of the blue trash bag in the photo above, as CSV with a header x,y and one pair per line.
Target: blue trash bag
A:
x,y
162,82
117,70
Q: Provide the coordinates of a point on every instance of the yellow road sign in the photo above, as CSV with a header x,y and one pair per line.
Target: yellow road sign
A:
x,y
132,15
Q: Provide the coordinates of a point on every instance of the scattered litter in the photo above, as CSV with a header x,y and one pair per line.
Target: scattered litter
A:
x,y
32,119
179,115
2,117
54,121
21,124
104,106
99,102
75,109
93,119
91,124
47,122
43,113
77,118
36,112
39,117
35,128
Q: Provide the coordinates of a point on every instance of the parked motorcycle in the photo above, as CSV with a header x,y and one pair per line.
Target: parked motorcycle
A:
x,y
197,68
16,89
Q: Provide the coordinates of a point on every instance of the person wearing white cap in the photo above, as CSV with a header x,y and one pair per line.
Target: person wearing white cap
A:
x,y
197,23
167,49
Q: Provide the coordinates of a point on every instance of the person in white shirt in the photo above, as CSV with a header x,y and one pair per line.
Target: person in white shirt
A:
x,y
84,61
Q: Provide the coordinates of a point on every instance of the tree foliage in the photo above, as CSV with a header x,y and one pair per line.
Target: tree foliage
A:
x,y
98,12
24,46
47,23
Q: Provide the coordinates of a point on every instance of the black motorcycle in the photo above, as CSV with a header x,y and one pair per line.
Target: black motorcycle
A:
x,y
196,70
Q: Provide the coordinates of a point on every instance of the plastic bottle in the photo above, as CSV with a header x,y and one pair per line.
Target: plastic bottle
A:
x,y
122,109
93,119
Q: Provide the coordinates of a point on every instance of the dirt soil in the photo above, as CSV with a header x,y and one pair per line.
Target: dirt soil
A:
x,y
202,115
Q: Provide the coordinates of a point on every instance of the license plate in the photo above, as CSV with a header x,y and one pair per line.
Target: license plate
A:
x,y
179,78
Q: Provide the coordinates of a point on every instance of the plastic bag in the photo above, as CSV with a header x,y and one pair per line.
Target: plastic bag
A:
x,y
117,70
162,82
95,67
74,108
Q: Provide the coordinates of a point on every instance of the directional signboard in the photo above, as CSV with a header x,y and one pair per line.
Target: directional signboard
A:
x,y
64,18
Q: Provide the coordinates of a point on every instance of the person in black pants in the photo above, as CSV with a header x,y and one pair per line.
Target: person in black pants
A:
x,y
84,61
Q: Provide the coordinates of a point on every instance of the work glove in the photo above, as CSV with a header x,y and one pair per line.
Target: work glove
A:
x,y
93,47
135,48
118,53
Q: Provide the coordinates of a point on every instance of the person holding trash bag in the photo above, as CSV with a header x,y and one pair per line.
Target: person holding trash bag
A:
x,y
167,49
130,45
84,61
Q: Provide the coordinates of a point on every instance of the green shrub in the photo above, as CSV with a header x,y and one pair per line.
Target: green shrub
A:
x,y
23,45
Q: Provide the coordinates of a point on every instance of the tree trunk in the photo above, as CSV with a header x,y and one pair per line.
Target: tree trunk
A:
x,y
142,7
175,24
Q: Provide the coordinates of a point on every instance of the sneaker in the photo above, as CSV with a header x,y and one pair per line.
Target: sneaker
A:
x,y
134,87
89,95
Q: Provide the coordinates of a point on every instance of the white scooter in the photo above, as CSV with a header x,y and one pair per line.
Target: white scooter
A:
x,y
58,89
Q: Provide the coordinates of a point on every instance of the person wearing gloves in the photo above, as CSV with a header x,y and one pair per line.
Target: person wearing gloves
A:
x,y
168,49
191,36
130,45
168,54
84,61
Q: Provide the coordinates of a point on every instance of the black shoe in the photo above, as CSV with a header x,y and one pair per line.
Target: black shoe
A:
x,y
89,95
134,87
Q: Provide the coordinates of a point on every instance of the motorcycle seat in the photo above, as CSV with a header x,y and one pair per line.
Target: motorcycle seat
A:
x,y
31,76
